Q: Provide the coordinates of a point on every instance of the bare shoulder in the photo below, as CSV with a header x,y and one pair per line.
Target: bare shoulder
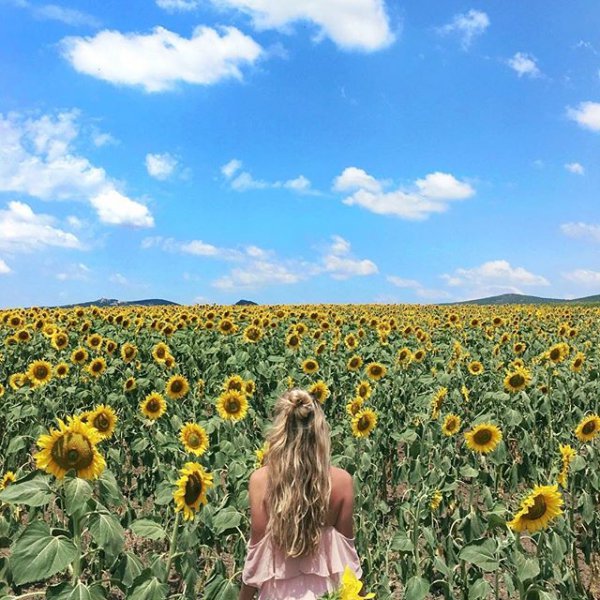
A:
x,y
341,479
258,478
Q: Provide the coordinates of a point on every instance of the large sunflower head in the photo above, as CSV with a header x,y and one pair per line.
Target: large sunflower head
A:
x,y
252,334
364,389
542,505
404,356
177,387
79,356
60,340
39,372
588,428
128,352
354,363
451,424
94,341
364,422
310,366
191,489
153,406
517,380
483,438
558,352
375,370
160,352
194,438
320,391
72,446
104,420
129,384
232,405
97,367
61,370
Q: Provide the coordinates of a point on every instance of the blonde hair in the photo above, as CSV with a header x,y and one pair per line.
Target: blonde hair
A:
x,y
298,462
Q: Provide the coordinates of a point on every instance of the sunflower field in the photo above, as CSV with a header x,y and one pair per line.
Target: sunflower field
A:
x,y
128,435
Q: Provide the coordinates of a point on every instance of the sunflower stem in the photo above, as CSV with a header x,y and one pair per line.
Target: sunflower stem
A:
x,y
172,544
77,540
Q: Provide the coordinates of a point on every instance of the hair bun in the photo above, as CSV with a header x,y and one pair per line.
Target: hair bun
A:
x,y
302,403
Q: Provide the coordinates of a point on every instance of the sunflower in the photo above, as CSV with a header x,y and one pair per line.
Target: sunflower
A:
x,y
17,380
542,505
110,346
104,420
191,489
96,367
436,500
61,370
375,370
320,391
200,386
310,365
234,383
293,341
39,372
60,340
249,387
588,428
567,454
73,446
160,352
475,367
153,406
261,454
1,390
129,384
355,405
351,586
8,478
404,356
94,341
177,387
232,405
226,326
350,341
419,355
465,392
128,352
364,389
451,424
577,362
483,438
194,438
252,334
517,380
79,356
437,400
558,352
364,422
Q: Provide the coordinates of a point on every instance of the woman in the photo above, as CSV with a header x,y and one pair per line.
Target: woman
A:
x,y
300,509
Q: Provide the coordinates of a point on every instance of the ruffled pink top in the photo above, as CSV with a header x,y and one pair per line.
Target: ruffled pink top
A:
x,y
278,577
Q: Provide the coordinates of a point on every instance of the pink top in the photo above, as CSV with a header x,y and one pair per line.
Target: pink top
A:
x,y
278,577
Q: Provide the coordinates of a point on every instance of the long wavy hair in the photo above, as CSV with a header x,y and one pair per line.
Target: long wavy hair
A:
x,y
298,480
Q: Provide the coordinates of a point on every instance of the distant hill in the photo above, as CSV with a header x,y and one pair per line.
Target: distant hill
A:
x,y
523,299
245,303
102,302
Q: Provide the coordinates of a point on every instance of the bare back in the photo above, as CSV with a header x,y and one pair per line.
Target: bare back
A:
x,y
341,502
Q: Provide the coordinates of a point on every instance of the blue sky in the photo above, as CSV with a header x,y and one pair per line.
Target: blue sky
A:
x,y
298,151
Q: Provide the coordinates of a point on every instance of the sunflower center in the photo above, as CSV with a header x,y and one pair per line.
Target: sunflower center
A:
x,y
102,423
153,405
451,424
73,451
176,386
97,367
363,423
483,436
79,356
537,510
517,380
160,353
193,489
194,440
589,427
555,354
40,372
233,406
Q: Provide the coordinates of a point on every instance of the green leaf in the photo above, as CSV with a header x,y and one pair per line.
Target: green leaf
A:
x,y
480,590
149,589
128,567
468,471
37,555
481,554
225,519
77,492
17,443
32,492
416,588
110,493
401,543
148,529
107,532
80,591
527,568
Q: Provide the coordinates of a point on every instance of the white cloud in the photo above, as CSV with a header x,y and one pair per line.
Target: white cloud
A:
x,y
340,265
74,272
242,181
582,231
22,230
4,268
194,247
101,139
350,24
178,5
524,64
260,273
37,159
584,277
158,60
575,168
160,166
114,208
119,279
493,277
467,25
586,115
353,178
419,289
69,16
430,194
75,222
